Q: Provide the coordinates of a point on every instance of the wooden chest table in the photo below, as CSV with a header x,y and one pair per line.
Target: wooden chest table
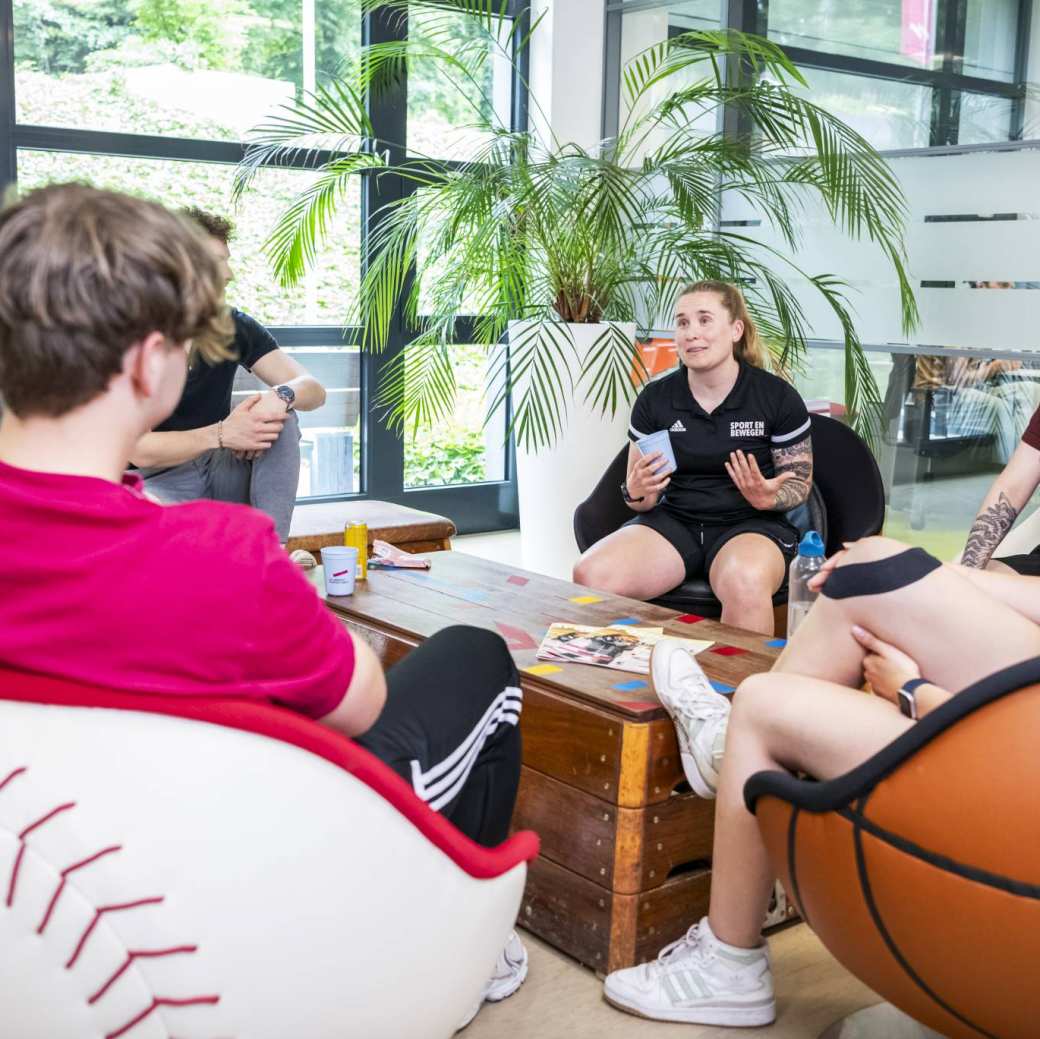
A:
x,y
625,862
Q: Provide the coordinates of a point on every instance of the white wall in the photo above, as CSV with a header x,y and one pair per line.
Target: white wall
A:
x,y
567,70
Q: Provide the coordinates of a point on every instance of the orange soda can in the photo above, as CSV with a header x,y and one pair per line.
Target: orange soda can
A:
x,y
355,535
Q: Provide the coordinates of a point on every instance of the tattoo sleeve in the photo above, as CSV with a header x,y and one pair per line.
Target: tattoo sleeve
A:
x,y
797,460
988,531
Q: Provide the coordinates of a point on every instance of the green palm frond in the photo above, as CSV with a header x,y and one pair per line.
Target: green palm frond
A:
x,y
546,232
417,386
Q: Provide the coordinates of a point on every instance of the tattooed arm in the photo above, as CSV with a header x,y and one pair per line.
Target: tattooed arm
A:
x,y
1001,506
798,461
789,485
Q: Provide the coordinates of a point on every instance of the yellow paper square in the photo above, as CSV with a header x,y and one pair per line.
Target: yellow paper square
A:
x,y
542,669
584,600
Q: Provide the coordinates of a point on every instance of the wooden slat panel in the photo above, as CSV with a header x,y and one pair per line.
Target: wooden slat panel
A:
x,y
570,912
661,916
603,929
570,741
576,829
627,850
668,835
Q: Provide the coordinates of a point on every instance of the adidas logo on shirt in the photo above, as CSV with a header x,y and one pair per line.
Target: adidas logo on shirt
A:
x,y
677,427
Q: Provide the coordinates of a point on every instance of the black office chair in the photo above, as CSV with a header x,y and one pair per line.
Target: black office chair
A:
x,y
847,502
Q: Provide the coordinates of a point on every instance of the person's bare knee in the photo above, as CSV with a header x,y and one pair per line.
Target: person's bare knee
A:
x,y
746,586
871,549
601,572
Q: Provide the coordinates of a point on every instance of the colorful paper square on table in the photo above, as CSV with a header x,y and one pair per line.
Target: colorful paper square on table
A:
x,y
622,621
721,687
690,618
517,579
631,687
542,669
585,600
728,651
776,643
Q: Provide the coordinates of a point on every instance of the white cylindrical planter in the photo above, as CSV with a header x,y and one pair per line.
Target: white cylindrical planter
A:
x,y
552,482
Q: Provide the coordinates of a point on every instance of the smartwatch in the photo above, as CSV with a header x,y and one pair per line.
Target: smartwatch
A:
x,y
908,697
288,394
628,497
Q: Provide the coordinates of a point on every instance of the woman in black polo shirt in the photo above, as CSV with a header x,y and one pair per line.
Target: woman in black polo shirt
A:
x,y
744,458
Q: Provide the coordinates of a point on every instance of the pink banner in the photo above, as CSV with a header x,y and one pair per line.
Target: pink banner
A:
x,y
917,40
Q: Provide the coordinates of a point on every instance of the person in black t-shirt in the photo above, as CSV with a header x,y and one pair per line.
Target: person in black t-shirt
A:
x,y
743,452
249,453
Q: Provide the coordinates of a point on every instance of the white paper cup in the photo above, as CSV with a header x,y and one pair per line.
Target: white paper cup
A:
x,y
340,563
659,441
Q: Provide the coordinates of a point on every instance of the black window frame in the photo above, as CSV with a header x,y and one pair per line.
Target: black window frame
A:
x,y
947,83
472,507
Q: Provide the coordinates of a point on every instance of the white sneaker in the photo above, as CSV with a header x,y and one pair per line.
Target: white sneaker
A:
x,y
698,980
509,974
699,712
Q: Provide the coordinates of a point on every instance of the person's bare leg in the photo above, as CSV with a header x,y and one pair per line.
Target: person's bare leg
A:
x,y
781,722
744,574
955,632
633,561
995,566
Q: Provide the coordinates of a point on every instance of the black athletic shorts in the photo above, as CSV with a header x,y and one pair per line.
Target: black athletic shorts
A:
x,y
699,544
1028,565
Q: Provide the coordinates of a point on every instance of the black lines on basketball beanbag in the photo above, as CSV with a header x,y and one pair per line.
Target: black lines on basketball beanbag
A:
x,y
886,936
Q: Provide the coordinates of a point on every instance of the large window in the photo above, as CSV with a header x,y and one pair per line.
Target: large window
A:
x,y
156,97
905,73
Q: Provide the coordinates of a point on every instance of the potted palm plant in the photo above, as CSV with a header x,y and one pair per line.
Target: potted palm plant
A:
x,y
563,252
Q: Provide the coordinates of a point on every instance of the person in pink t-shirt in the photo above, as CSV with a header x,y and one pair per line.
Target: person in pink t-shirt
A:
x,y
102,297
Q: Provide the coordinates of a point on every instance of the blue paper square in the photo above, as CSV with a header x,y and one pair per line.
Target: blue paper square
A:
x,y
776,642
628,687
721,687
626,620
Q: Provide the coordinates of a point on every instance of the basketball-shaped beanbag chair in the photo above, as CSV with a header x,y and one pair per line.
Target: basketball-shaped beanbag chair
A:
x,y
920,870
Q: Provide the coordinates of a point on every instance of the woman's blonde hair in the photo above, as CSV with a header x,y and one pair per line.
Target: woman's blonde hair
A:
x,y
749,347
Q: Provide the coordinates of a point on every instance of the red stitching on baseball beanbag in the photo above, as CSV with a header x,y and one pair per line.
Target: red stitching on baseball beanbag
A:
x,y
282,724
131,955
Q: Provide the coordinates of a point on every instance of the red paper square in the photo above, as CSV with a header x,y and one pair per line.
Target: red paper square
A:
x,y
728,651
689,618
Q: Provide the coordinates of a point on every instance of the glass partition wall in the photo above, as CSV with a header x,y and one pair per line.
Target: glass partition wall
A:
x,y
156,99
943,87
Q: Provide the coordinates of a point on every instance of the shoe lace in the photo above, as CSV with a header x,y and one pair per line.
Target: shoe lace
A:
x,y
689,944
706,709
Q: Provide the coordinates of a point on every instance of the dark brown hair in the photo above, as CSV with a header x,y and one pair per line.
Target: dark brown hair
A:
x,y
749,347
85,274
217,226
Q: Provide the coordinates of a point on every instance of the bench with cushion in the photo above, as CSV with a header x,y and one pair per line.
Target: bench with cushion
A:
x,y
321,524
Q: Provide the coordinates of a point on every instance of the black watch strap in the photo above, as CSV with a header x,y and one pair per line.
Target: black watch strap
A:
x,y
288,394
908,697
628,497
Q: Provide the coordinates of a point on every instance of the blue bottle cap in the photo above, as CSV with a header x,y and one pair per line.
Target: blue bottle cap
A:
x,y
811,544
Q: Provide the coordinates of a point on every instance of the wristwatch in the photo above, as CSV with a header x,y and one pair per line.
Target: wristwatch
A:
x,y
628,497
288,394
908,697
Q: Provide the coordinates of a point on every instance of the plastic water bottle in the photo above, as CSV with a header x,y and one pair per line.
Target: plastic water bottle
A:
x,y
805,565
